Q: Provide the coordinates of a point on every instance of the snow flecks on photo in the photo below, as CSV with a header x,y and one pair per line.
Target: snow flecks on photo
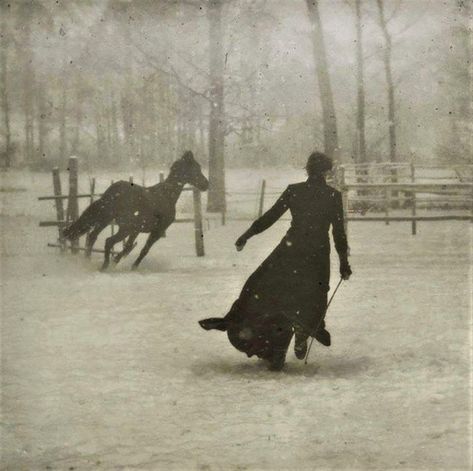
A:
x,y
111,370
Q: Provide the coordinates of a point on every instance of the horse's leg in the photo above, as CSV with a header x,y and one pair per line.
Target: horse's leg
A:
x,y
110,242
153,237
92,237
129,244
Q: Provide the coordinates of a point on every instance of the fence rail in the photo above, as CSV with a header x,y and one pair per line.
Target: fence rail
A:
x,y
391,194
408,186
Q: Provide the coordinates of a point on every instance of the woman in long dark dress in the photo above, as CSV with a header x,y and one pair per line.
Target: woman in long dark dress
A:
x,y
288,291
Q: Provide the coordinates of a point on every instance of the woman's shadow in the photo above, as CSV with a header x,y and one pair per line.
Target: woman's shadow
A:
x,y
329,367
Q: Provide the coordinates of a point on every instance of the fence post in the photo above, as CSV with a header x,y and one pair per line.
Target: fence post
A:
x,y
112,225
92,190
161,180
59,206
413,202
199,233
261,198
92,195
387,204
130,180
394,193
73,202
471,204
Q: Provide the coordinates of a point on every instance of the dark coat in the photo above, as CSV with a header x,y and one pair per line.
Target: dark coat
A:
x,y
289,289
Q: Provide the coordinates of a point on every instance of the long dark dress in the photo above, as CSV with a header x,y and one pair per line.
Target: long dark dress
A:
x,y
289,289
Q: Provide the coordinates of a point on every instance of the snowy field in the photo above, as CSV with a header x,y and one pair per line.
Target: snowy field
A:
x,y
109,371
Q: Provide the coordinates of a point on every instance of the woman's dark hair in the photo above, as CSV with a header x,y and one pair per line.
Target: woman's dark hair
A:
x,y
317,164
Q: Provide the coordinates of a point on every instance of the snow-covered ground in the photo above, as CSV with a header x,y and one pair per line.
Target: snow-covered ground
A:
x,y
111,370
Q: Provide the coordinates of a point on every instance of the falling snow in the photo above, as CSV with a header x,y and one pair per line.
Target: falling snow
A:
x,y
111,370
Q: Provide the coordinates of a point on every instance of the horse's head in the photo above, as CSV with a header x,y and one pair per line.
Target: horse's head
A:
x,y
188,170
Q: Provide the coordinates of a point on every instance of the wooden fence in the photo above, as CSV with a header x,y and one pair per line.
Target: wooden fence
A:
x,y
394,192
389,187
64,218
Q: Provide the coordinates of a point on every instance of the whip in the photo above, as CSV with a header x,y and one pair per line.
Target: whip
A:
x,y
321,319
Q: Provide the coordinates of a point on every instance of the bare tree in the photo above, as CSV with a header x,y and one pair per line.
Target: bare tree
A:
x,y
63,117
81,95
28,81
42,119
360,80
387,57
115,135
4,83
216,196
102,156
128,120
323,78
456,72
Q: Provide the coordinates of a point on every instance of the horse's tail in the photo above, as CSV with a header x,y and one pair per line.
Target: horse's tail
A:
x,y
96,212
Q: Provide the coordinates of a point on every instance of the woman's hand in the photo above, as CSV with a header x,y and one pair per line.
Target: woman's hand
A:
x,y
240,243
345,269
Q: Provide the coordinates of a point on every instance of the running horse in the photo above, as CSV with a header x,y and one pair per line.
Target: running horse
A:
x,y
137,209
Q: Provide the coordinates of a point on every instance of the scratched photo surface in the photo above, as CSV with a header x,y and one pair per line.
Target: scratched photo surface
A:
x,y
142,144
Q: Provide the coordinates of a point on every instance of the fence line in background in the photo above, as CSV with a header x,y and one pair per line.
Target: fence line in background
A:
x,y
384,196
395,191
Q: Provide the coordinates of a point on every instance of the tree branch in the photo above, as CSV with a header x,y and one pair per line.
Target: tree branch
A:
x,y
152,62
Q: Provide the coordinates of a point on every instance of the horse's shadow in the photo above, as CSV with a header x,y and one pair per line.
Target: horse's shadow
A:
x,y
157,265
327,368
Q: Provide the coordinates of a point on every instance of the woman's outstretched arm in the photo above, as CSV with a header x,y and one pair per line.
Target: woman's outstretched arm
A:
x,y
266,220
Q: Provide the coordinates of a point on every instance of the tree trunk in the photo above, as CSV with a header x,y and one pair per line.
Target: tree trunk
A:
x,y
127,123
62,125
160,128
78,124
153,147
141,128
169,136
323,78
191,128
102,158
201,145
108,118
360,118
116,147
216,196
28,114
178,125
28,85
389,82
4,92
42,118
